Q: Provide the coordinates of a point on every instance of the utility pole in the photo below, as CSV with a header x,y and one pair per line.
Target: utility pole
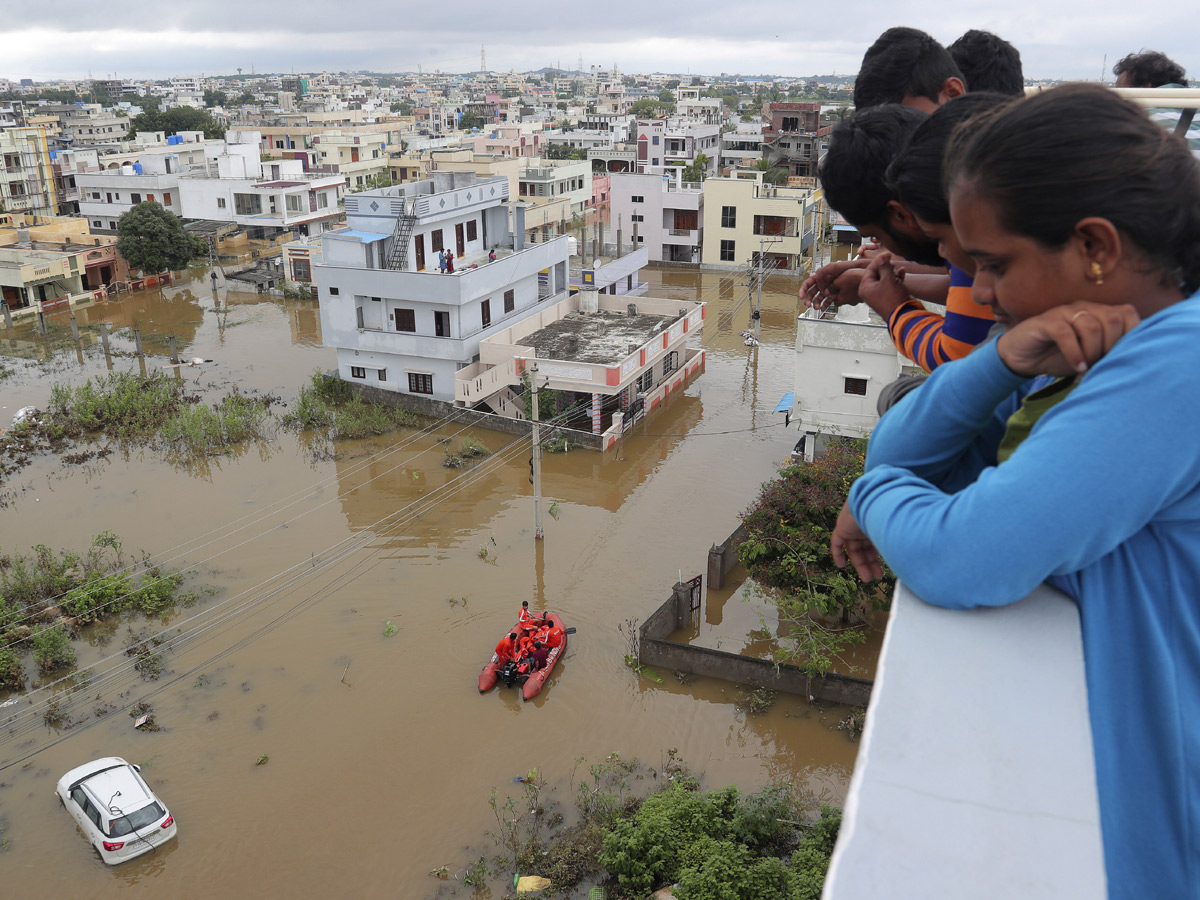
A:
x,y
538,533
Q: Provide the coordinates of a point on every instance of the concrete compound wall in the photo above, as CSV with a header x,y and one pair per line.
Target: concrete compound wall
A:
x,y
437,409
723,557
658,651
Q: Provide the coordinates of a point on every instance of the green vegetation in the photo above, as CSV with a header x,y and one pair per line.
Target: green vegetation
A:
x,y
152,240
175,120
328,406
52,649
46,595
786,552
638,829
122,405
206,430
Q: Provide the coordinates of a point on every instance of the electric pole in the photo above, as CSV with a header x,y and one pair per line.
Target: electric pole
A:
x,y
536,460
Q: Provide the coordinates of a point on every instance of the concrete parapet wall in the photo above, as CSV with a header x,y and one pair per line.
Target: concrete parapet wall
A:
x,y
657,651
723,557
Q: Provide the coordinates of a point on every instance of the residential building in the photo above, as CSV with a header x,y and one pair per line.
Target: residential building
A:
x,y
664,143
361,158
617,360
743,147
842,363
745,217
105,196
689,103
666,211
235,185
50,260
549,179
27,172
794,135
396,321
508,140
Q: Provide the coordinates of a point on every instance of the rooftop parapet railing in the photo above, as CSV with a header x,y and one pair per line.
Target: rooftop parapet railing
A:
x,y
976,766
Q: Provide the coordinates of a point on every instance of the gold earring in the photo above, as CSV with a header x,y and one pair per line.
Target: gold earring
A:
x,y
1097,273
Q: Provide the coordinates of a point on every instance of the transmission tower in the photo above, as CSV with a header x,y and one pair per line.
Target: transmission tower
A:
x,y
482,59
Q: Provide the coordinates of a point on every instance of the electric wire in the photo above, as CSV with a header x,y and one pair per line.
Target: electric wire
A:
x,y
329,558
375,531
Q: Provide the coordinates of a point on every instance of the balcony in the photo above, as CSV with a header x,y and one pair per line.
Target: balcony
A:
x,y
976,765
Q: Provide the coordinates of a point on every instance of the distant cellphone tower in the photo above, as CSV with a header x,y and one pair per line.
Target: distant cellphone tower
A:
x,y
482,59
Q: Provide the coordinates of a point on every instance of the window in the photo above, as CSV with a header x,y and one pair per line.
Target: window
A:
x,y
296,204
435,240
247,204
383,374
727,251
510,301
95,195
167,199
655,140
150,198
406,320
636,198
96,223
472,230
420,384
333,292
728,216
135,198
670,362
358,372
485,311
647,380
441,324
220,203
856,386
301,270
322,200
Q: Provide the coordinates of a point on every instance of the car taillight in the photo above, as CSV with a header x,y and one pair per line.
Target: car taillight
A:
x,y
113,845
170,820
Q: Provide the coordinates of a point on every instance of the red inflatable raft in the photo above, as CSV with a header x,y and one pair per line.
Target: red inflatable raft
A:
x,y
531,682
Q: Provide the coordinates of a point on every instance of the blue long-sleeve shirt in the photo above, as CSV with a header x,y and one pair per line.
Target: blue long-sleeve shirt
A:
x,y
1103,500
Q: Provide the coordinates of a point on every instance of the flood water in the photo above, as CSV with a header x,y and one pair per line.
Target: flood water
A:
x,y
381,752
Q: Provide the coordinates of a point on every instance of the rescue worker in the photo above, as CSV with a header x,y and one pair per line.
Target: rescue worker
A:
x,y
506,650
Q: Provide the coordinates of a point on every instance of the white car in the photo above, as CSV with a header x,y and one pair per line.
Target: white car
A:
x,y
116,809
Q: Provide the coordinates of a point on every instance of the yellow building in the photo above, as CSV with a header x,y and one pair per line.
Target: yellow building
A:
x,y
46,261
26,172
744,217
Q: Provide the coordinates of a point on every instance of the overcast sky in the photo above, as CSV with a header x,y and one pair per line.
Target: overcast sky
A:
x,y
72,38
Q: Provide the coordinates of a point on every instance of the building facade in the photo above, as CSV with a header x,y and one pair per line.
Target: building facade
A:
x,y
745,217
666,211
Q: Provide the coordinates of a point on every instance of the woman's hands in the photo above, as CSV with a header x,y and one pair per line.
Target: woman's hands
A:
x,y
1065,340
848,541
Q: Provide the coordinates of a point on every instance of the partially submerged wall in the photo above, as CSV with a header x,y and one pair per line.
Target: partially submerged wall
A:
x,y
658,651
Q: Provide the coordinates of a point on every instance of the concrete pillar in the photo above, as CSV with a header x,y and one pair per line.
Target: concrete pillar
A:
x,y
107,348
518,227
74,328
137,342
597,404
7,315
716,568
43,328
683,604
174,351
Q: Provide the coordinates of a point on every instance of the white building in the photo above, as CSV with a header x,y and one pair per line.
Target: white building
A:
x,y
396,321
235,185
667,212
743,147
106,195
546,179
841,366
665,143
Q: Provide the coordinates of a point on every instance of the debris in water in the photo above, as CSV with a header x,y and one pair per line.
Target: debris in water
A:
x,y
262,760
140,721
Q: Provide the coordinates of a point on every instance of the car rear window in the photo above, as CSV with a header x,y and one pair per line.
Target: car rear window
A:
x,y
140,818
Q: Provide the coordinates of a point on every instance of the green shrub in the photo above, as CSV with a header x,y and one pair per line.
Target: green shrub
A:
x,y
52,649
98,596
12,673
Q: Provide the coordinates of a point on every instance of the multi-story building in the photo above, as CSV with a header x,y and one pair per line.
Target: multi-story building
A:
x,y
793,134
27,172
664,143
396,321
689,103
744,147
358,157
49,260
744,217
509,140
107,195
557,179
235,185
667,212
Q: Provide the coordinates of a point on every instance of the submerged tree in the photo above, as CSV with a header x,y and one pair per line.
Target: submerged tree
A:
x,y
152,240
786,552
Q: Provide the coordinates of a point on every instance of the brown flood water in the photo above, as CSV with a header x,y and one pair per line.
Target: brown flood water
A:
x,y
382,754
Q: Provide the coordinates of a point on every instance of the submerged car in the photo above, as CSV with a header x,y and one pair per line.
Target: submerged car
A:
x,y
116,809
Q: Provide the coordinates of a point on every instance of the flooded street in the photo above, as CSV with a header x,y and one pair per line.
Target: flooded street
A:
x,y
382,753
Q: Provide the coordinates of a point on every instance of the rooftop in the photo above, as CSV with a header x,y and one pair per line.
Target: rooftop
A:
x,y
602,338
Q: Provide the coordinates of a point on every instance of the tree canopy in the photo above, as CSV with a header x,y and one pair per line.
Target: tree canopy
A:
x,y
152,240
647,107
173,121
698,170
469,120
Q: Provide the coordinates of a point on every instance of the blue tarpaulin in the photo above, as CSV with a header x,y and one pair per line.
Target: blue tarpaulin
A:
x,y
786,402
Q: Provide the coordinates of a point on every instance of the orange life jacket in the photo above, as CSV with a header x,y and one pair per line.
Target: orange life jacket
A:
x,y
554,637
504,649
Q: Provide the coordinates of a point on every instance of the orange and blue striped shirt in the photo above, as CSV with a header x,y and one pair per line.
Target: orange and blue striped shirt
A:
x,y
930,339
